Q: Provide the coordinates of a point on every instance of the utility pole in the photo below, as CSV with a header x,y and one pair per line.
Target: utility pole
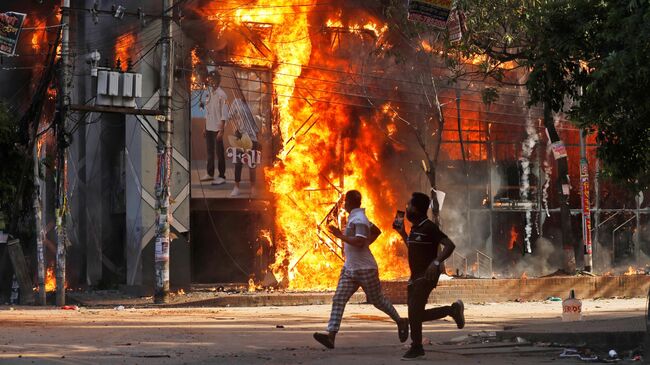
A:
x,y
586,210
62,144
38,214
637,233
164,161
564,187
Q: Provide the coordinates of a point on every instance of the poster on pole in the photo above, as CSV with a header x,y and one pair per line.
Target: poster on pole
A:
x,y
431,12
456,25
559,150
10,25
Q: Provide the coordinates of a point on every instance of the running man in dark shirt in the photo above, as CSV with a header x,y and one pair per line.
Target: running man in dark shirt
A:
x,y
425,262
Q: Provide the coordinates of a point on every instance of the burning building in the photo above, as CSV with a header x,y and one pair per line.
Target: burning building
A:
x,y
331,96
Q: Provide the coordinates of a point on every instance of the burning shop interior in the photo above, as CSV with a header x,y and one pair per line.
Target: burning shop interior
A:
x,y
320,98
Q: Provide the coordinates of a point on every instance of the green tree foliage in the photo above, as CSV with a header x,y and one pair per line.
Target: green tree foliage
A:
x,y
615,101
15,176
594,52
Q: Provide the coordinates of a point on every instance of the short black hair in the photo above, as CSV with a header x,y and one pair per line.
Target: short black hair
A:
x,y
421,202
214,78
353,197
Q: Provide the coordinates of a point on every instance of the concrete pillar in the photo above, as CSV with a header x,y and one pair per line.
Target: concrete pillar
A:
x,y
140,165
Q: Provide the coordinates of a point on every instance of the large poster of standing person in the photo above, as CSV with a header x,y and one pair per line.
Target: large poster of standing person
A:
x,y
231,130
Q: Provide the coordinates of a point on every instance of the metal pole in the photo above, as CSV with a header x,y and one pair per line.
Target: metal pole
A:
x,y
164,163
490,157
596,205
465,170
61,151
637,233
586,212
38,213
540,188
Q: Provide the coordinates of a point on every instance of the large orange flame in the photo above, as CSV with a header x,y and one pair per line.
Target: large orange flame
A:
x,y
50,280
123,49
327,149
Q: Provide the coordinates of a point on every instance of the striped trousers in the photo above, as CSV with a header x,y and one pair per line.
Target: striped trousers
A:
x,y
349,283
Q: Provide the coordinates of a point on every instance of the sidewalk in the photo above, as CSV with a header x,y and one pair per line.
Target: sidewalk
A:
x,y
618,333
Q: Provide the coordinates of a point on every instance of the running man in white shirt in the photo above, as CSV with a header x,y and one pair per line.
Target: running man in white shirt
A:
x,y
359,270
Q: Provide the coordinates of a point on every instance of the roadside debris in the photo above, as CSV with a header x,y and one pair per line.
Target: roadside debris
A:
x,y
70,308
587,355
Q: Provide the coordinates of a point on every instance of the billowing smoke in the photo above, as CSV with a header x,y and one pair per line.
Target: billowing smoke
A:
x,y
548,169
524,187
542,263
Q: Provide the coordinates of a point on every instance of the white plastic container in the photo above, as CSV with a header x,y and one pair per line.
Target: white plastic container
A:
x,y
571,308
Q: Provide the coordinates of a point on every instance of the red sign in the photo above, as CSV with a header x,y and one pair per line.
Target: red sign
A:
x,y
10,25
431,12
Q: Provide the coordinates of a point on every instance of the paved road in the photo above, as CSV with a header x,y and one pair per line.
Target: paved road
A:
x,y
263,335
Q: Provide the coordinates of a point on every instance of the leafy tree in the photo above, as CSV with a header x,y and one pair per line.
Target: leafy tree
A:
x,y
545,39
615,101
594,52
15,177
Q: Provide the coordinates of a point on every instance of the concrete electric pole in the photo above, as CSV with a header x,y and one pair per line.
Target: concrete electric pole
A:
x,y
62,144
164,160
564,187
586,209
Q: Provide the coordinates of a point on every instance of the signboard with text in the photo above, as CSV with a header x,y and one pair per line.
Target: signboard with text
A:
x,y
431,12
10,25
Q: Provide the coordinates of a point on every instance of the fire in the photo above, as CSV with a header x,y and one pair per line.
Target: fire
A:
x,y
39,35
50,280
123,48
631,271
35,42
371,27
195,82
51,93
482,59
328,146
426,46
514,235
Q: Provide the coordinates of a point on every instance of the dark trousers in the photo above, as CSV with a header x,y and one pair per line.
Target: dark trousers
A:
x,y
418,295
239,166
211,140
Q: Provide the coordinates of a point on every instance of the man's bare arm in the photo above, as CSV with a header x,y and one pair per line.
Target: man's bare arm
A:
x,y
447,249
433,271
356,241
